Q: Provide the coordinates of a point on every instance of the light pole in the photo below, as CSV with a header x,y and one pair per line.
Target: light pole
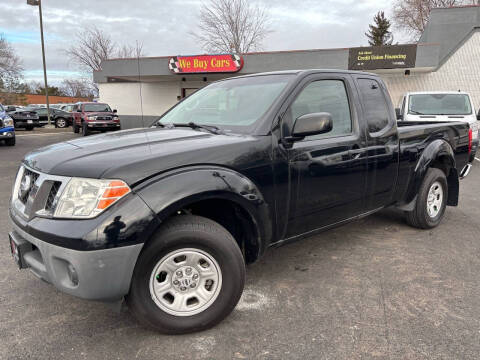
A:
x,y
39,4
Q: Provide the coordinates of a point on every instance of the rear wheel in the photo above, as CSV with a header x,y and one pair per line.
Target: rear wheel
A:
x,y
61,123
188,278
29,128
431,201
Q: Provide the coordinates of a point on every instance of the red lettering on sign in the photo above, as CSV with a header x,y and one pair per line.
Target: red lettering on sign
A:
x,y
206,63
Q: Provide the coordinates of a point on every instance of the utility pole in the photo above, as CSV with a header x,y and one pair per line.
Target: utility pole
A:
x,y
39,4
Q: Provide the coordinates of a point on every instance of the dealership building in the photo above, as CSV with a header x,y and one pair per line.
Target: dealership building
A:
x,y
446,58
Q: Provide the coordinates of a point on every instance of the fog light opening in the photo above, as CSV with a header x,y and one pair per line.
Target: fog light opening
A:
x,y
72,275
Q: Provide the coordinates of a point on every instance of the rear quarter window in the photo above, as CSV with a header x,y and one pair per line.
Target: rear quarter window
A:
x,y
374,104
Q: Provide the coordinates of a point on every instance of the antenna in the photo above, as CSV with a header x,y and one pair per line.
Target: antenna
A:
x,y
137,49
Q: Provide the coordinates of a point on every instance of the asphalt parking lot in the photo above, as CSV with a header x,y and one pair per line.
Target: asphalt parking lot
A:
x,y
373,289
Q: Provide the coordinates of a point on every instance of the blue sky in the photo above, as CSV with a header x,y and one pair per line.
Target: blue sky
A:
x,y
163,27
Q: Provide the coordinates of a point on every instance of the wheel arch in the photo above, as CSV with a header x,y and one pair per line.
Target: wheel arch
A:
x,y
220,194
438,154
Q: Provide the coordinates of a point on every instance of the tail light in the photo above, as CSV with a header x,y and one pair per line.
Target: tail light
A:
x,y
470,138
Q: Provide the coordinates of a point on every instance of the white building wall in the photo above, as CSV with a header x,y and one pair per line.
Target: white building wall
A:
x,y
157,97
460,72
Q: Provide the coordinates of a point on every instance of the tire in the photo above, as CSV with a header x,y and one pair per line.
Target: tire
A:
x,y
85,129
61,123
420,216
10,142
75,128
190,236
29,128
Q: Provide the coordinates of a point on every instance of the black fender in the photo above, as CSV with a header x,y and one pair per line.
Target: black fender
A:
x,y
172,191
438,152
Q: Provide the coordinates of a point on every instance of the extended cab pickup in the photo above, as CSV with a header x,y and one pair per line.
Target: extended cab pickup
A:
x,y
168,216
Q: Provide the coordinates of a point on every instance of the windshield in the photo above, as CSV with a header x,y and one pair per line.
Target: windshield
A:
x,y
234,104
96,108
439,104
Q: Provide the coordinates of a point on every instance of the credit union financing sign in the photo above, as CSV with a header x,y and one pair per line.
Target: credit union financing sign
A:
x,y
206,64
382,57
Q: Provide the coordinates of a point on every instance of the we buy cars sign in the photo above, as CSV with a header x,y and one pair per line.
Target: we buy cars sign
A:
x,y
224,63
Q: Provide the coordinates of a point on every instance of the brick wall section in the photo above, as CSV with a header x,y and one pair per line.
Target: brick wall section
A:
x,y
41,99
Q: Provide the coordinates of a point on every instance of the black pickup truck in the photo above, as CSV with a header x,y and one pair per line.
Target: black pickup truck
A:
x,y
167,217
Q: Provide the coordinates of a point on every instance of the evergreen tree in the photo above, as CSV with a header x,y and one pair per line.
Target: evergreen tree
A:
x,y
379,33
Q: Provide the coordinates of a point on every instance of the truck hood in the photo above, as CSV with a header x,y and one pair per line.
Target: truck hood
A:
x,y
133,155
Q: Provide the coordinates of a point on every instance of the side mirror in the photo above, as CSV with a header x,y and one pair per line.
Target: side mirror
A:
x,y
114,110
478,115
398,112
79,110
312,124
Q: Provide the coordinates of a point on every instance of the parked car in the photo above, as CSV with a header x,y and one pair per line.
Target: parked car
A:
x,y
24,119
7,130
92,116
67,107
168,216
59,118
441,106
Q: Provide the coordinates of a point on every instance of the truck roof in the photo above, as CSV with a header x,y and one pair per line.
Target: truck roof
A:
x,y
305,72
436,92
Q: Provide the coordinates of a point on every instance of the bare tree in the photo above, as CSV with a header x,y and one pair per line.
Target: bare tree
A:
x,y
128,51
93,46
10,65
412,16
231,25
77,88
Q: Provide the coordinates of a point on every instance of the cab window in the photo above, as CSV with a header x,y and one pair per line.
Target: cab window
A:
x,y
328,96
374,104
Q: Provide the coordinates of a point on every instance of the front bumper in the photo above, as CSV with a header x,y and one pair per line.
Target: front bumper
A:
x,y
94,275
7,133
99,125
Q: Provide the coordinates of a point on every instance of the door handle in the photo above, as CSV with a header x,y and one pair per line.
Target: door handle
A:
x,y
355,154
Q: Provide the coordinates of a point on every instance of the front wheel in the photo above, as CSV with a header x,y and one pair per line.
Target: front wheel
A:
x,y
431,201
10,142
188,278
85,129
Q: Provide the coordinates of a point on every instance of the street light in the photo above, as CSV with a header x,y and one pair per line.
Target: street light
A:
x,y
39,4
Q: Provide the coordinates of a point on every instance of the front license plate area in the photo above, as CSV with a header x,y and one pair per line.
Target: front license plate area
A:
x,y
18,248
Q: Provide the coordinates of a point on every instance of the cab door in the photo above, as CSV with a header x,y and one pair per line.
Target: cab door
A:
x,y
382,142
327,172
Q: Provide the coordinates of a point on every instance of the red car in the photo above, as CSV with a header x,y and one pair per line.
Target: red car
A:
x,y
92,116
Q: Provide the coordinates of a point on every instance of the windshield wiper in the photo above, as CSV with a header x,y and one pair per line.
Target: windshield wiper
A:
x,y
210,128
416,112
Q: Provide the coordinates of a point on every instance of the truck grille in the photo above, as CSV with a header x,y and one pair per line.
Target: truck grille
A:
x,y
36,193
52,196
27,185
104,118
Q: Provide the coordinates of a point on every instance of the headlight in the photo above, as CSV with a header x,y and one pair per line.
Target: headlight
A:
x,y
91,117
86,198
115,117
7,121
